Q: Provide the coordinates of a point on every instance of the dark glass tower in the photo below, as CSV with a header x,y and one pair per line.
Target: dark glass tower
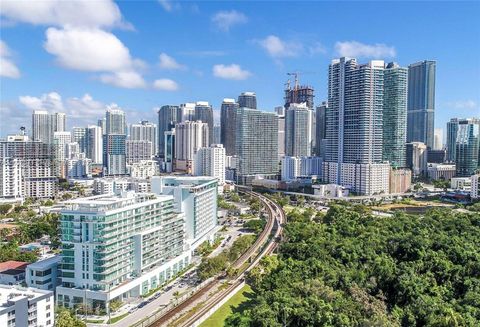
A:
x,y
421,102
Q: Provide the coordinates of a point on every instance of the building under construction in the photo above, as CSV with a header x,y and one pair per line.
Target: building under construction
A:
x,y
298,93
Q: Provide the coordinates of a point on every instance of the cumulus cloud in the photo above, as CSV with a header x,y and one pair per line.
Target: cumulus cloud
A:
x,y
48,101
224,20
99,13
361,50
169,5
278,48
169,63
165,84
7,66
233,71
94,50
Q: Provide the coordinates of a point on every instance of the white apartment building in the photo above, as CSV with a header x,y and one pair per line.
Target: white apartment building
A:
x,y
119,246
196,198
436,171
61,140
189,137
143,169
211,162
43,274
145,131
461,183
295,167
290,168
138,150
475,189
26,307
110,185
10,178
78,167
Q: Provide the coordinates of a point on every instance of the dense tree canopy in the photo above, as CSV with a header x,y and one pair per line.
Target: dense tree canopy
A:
x,y
349,268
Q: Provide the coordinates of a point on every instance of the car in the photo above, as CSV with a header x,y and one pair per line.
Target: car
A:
x,y
132,310
141,305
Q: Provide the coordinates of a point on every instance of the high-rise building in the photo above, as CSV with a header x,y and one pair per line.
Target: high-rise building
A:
x,y
299,132
281,135
45,124
114,159
28,168
417,158
204,112
102,123
145,131
138,150
169,151
256,144
475,190
354,131
189,137
421,102
467,145
79,135
298,94
196,198
210,161
280,110
247,100
438,139
144,248
168,116
228,125
321,129
60,141
294,167
94,144
395,115
216,134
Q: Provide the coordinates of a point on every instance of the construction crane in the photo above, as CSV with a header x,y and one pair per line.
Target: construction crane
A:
x,y
296,84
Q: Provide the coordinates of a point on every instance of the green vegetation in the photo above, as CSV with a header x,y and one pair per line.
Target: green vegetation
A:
x,y
10,251
256,225
211,266
206,247
441,183
35,228
5,208
236,303
65,318
118,318
115,305
353,269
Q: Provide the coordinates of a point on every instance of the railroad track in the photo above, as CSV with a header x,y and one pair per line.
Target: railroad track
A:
x,y
276,218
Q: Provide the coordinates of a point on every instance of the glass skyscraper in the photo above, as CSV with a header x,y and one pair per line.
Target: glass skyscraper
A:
x,y
228,125
168,116
248,100
463,144
395,115
421,102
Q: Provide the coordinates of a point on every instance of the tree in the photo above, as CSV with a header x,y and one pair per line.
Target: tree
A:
x,y
115,305
5,208
65,318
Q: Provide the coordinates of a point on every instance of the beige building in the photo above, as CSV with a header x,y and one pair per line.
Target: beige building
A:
x,y
400,180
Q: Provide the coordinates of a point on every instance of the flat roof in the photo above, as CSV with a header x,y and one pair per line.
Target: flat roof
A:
x,y
45,263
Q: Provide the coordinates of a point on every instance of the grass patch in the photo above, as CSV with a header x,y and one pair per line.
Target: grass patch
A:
x,y
93,321
118,318
238,302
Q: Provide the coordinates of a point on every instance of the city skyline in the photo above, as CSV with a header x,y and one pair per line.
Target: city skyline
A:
x,y
203,70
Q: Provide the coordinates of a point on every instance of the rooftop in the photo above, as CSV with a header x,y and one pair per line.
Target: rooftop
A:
x,y
45,263
10,294
12,265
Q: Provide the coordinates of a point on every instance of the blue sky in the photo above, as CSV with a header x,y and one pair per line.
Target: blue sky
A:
x,y
78,57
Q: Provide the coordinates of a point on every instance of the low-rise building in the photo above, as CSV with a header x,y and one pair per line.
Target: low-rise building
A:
x,y
441,171
461,183
26,307
43,274
330,191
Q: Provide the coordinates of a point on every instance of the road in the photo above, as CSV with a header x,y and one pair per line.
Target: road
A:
x,y
265,244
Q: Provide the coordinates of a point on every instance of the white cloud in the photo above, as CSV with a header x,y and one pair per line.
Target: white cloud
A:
x,y
226,19
99,13
95,50
169,63
169,5
48,101
232,71
7,66
278,48
125,79
360,50
165,84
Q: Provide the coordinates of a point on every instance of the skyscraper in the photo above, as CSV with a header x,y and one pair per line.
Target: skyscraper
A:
x,y
228,125
247,100
298,94
321,129
256,144
61,140
298,130
79,135
145,131
45,124
138,150
438,139
466,145
204,112
114,159
210,161
354,130
189,137
421,102
168,116
395,115
94,144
